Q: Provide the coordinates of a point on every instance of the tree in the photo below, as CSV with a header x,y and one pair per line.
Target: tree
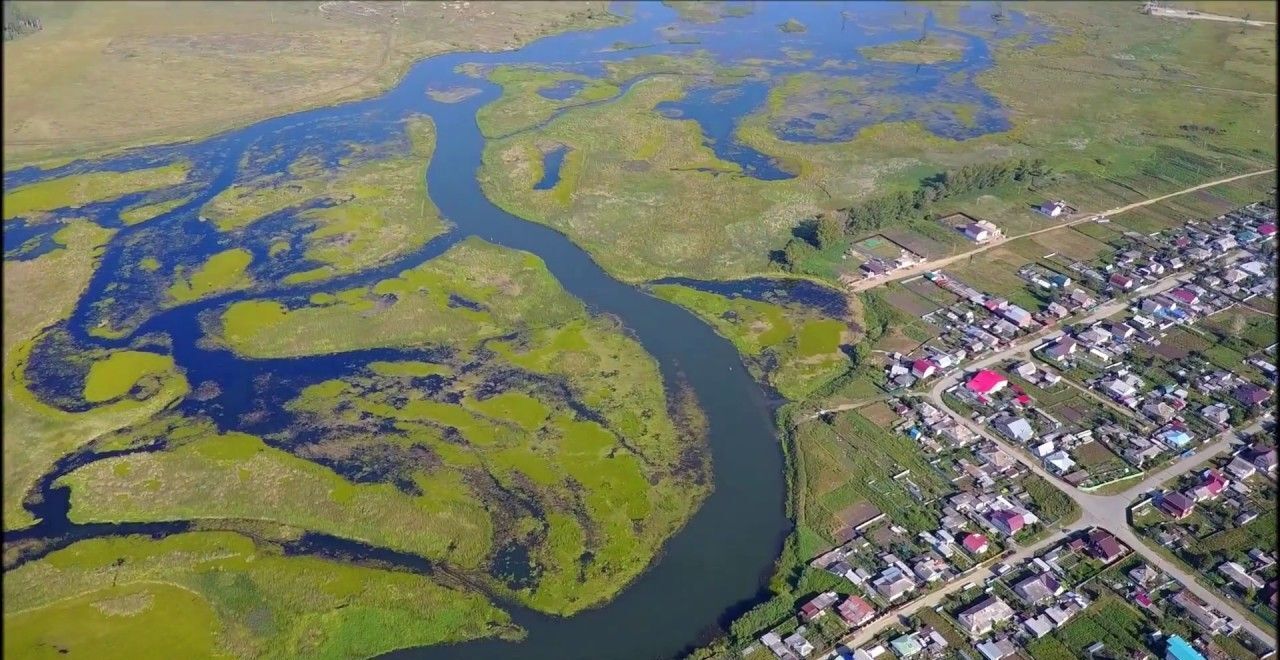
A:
x,y
795,251
829,231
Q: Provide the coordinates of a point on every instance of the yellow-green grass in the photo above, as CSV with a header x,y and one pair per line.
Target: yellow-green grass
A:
x,y
380,208
118,373
216,594
409,368
145,212
801,349
930,50
40,291
222,272
636,169
521,106
1081,85
104,76
76,190
852,461
37,435
234,475
514,288
616,489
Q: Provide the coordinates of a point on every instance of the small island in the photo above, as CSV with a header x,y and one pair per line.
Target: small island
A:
x,y
929,50
792,25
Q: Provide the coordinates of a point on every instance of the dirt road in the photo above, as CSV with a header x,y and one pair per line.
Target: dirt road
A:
x,y
921,268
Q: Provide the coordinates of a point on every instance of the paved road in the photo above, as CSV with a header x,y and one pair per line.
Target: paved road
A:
x,y
1111,511
921,268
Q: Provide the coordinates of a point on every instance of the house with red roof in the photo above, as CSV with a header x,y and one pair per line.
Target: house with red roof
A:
x,y
923,368
1185,296
1267,229
986,382
976,544
855,611
818,605
1211,485
993,304
1121,280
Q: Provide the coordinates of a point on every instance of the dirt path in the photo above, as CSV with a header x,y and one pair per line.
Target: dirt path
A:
x,y
1170,12
924,267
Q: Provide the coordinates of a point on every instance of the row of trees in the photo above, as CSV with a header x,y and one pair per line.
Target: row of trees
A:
x,y
18,23
877,212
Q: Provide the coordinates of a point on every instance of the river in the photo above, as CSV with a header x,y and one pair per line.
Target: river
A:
x,y
719,562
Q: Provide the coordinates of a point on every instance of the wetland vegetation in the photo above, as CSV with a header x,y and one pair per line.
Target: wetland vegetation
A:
x,y
288,400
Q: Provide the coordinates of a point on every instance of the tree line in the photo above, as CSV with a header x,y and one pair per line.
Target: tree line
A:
x,y
17,23
828,229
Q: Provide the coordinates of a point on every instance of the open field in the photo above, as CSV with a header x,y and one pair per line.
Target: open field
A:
x,y
103,76
507,290
214,594
794,349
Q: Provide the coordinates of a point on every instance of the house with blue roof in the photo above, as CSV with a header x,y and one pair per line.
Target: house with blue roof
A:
x,y
1178,649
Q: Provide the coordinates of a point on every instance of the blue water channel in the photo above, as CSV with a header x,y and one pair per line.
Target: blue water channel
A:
x,y
719,563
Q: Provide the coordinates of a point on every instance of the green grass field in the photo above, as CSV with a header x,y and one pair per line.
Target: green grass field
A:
x,y
217,594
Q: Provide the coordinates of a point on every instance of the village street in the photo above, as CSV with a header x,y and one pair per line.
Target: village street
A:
x,y
1107,511
935,264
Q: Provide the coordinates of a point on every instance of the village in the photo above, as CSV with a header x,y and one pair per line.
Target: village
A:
x,y
1139,367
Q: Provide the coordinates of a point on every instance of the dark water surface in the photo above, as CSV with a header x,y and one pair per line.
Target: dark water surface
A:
x,y
719,562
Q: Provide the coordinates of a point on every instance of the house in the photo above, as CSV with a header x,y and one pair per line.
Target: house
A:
x,y
797,642
907,645
1061,614
1059,281
1211,485
1082,299
983,615
1062,349
1251,395
1177,648
929,569
1203,614
1060,462
1007,521
1122,281
1053,209
1158,411
1267,229
1237,573
1104,546
1174,437
774,643
1016,315
981,231
1176,504
1263,458
893,584
986,382
1037,588
1223,244
855,611
1184,296
975,544
1014,428
1145,576
923,368
1038,626
817,607
995,650
1218,413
